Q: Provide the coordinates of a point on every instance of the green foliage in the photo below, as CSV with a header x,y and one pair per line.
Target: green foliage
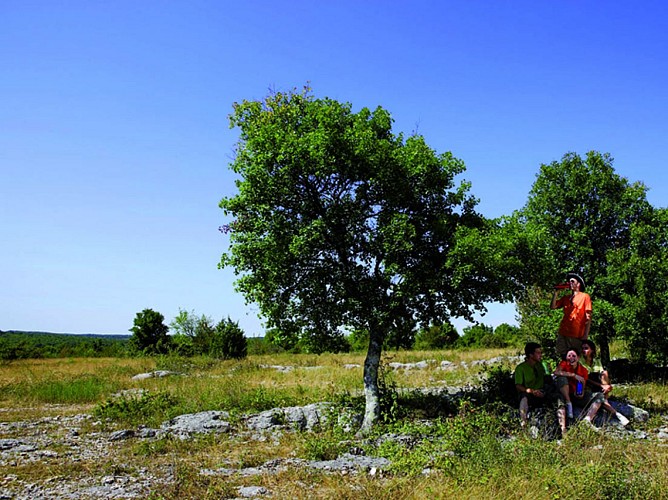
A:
x,y
70,390
229,341
35,345
538,323
144,409
471,437
589,219
185,323
639,274
358,340
285,340
182,345
437,336
499,387
149,333
479,335
327,444
258,346
204,336
510,335
339,223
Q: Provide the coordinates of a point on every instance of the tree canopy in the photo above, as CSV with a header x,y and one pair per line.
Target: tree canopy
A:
x,y
592,220
149,333
341,225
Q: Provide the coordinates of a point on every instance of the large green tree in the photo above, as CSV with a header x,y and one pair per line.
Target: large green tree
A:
x,y
639,275
340,225
584,212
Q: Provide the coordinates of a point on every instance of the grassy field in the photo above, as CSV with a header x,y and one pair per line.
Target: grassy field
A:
x,y
474,450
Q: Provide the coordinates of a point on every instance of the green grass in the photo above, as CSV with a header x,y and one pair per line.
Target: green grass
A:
x,y
75,390
474,449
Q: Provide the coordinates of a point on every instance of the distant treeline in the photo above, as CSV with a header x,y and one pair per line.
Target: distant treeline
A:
x,y
24,345
210,342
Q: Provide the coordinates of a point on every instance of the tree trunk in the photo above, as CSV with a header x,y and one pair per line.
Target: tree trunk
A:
x,y
371,392
604,349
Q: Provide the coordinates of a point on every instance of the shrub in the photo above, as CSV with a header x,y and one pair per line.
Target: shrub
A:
x,y
153,408
229,341
149,333
436,337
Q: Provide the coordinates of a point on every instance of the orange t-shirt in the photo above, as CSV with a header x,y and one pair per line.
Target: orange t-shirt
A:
x,y
576,308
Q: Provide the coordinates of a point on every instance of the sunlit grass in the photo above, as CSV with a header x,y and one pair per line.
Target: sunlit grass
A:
x,y
482,457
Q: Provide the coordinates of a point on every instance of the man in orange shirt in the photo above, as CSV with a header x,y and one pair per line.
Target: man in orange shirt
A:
x,y
575,324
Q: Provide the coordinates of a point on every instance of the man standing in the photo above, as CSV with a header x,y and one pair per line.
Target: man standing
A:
x,y
575,324
530,378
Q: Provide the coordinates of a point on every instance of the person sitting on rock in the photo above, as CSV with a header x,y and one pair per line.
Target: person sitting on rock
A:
x,y
599,379
571,382
532,381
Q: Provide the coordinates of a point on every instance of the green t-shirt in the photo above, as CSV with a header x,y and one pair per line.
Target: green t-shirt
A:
x,y
531,377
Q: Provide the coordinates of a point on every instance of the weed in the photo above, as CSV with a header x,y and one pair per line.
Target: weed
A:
x,y
147,408
322,446
71,390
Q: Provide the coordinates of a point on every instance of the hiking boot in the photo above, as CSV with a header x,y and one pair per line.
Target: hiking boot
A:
x,y
590,425
622,419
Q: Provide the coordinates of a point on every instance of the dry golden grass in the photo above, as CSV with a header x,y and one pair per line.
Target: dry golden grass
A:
x,y
582,466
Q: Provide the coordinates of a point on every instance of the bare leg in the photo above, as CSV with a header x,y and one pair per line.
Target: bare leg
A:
x,y
561,416
567,399
593,409
524,410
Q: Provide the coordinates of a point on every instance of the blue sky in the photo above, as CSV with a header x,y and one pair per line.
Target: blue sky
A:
x,y
115,145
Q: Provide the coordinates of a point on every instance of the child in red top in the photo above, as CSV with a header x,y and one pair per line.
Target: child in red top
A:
x,y
567,367
569,373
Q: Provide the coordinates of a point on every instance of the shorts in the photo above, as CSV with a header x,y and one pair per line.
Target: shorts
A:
x,y
595,377
587,399
565,344
550,396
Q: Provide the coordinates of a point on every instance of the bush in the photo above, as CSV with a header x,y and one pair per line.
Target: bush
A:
x,y
258,346
436,337
147,408
358,340
229,341
149,333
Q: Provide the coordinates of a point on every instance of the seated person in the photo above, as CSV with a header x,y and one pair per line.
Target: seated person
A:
x,y
598,379
532,380
569,373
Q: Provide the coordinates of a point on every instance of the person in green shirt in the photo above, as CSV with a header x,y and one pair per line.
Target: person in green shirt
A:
x,y
532,379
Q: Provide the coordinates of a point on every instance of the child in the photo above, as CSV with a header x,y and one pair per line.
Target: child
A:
x,y
569,373
598,378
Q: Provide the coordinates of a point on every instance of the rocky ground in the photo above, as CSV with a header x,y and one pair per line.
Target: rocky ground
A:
x,y
54,447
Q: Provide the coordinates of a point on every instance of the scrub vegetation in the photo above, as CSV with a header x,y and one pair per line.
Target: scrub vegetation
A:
x,y
473,448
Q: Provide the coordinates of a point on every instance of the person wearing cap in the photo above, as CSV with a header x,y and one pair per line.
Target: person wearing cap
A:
x,y
576,321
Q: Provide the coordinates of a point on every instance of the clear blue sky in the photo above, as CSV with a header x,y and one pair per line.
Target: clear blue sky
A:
x,y
115,146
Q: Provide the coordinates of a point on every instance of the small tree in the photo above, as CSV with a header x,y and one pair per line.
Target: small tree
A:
x,y
204,335
149,333
229,341
285,340
478,335
185,323
639,273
